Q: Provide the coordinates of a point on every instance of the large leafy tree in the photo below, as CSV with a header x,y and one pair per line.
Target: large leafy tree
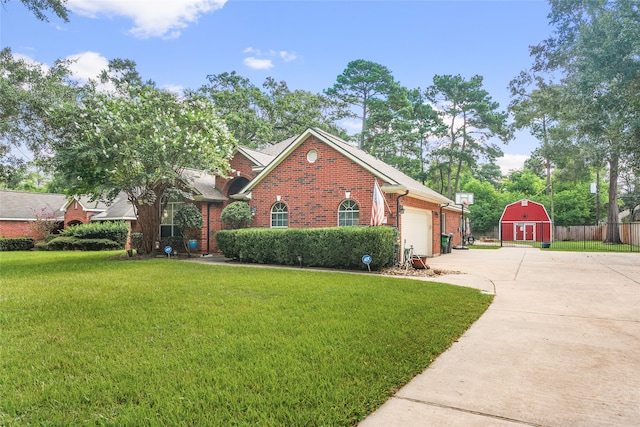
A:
x,y
258,117
596,47
538,110
138,140
361,84
27,91
399,129
473,120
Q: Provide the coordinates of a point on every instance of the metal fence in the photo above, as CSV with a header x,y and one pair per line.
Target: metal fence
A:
x,y
575,237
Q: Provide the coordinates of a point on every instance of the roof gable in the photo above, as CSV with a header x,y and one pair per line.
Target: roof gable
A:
x,y
395,180
525,210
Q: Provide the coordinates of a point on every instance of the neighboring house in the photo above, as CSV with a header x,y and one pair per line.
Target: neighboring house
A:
x,y
312,180
18,211
526,221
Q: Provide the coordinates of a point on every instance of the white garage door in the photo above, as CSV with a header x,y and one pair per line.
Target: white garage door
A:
x,y
417,230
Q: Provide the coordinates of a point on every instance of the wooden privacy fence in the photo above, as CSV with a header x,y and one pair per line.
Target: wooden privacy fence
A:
x,y
629,233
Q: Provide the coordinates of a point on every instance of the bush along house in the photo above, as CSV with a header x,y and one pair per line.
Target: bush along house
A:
x,y
311,180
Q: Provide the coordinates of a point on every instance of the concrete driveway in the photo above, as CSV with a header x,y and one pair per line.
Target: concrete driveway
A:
x,y
559,346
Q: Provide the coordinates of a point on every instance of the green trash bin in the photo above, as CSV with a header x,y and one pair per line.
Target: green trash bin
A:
x,y
444,243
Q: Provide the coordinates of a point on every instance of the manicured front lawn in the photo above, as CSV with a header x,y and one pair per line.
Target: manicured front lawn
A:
x,y
85,339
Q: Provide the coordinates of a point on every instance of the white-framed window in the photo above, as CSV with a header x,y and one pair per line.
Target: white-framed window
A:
x,y
167,226
279,215
348,213
312,156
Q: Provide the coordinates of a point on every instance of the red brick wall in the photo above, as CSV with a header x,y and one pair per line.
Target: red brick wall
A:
x,y
14,229
75,212
313,191
240,166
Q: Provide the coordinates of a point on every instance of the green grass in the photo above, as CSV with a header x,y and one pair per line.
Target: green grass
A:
x,y
88,340
484,246
577,246
590,246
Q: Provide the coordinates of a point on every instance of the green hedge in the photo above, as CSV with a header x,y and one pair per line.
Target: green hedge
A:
x,y
16,244
115,231
74,243
336,247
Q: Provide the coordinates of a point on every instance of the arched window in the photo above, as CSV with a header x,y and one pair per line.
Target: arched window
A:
x,y
237,185
348,213
279,216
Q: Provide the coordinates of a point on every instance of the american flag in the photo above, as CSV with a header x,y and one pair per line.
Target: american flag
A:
x,y
377,209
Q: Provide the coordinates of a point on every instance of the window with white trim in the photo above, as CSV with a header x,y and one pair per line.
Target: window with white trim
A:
x,y
167,226
279,215
348,213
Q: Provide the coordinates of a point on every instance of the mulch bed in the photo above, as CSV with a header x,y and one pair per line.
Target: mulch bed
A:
x,y
416,272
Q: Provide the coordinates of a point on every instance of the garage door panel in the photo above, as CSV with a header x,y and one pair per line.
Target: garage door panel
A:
x,y
417,230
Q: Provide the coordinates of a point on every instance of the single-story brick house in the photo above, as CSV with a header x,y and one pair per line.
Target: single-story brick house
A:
x,y
311,180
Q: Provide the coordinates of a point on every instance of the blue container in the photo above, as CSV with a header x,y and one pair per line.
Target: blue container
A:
x,y
193,244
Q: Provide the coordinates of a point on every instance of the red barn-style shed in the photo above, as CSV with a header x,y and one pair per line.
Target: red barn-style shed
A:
x,y
525,221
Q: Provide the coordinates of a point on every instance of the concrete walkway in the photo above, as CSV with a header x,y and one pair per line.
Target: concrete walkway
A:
x,y
559,346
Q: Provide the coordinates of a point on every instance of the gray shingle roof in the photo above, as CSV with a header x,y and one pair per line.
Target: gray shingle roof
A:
x,y
17,205
257,157
118,210
204,184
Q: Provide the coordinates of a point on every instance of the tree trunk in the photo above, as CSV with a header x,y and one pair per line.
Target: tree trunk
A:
x,y
545,151
149,217
613,232
449,168
464,145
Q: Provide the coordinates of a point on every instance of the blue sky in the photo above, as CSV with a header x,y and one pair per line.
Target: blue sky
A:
x,y
177,43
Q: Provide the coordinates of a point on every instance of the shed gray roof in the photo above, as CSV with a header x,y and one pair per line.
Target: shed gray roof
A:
x,y
17,205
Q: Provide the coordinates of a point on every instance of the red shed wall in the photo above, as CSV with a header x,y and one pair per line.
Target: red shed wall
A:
x,y
521,222
533,212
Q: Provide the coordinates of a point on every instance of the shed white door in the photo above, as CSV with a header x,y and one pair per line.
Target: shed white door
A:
x,y
417,230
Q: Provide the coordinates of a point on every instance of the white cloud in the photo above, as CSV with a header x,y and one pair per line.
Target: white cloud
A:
x,y
87,66
258,64
264,60
151,18
511,162
287,56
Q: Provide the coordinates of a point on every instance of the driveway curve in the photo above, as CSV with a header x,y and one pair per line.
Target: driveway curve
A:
x,y
559,346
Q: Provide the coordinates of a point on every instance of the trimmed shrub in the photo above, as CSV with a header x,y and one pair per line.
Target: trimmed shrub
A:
x,y
226,240
236,215
115,231
16,244
74,243
335,247
136,242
